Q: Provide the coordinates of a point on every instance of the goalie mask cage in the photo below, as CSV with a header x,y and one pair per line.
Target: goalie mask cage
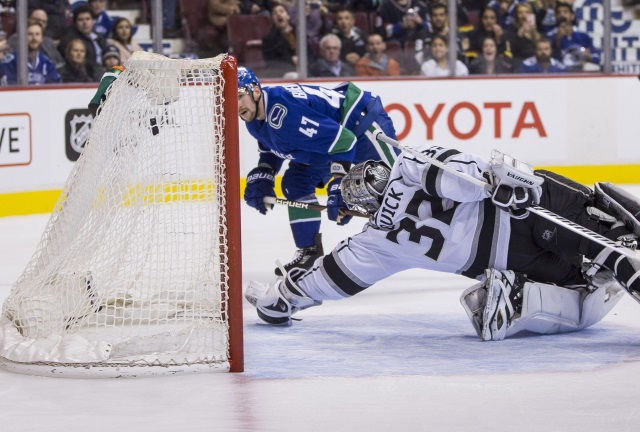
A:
x,y
138,271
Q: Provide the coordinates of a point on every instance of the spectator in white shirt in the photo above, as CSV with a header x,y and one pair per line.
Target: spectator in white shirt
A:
x,y
438,64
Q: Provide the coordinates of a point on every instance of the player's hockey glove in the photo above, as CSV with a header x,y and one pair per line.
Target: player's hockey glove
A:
x,y
260,184
335,204
516,186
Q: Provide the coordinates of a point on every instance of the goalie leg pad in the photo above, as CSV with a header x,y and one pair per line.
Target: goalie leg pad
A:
x,y
549,309
507,304
620,203
598,303
473,300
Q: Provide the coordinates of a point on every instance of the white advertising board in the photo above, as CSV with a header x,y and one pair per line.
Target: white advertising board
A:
x,y
578,120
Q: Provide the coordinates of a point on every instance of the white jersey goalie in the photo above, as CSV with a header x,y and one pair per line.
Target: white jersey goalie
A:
x,y
531,272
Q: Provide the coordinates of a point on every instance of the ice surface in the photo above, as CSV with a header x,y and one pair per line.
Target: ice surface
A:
x,y
401,356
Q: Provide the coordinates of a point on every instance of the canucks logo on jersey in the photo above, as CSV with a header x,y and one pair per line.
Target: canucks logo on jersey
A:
x,y
277,115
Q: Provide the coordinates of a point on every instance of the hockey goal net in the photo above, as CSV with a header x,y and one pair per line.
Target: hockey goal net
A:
x,y
138,271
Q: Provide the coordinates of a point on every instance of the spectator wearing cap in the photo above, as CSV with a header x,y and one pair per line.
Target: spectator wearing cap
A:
x,y
78,67
48,46
122,39
111,57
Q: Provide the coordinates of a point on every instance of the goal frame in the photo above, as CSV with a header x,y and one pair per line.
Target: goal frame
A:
x,y
231,274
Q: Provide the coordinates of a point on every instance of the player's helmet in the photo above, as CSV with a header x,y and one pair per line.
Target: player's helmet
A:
x,y
246,80
363,187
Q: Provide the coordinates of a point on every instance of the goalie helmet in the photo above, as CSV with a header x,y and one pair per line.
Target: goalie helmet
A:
x,y
363,187
246,80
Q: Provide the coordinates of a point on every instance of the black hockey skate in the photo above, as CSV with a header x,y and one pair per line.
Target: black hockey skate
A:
x,y
276,303
504,302
303,259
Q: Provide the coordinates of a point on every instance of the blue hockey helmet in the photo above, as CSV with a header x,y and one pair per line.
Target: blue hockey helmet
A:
x,y
246,80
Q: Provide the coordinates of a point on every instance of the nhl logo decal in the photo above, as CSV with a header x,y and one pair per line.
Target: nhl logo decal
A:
x,y
77,127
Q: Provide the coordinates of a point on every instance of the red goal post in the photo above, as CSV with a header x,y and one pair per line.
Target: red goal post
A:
x,y
232,156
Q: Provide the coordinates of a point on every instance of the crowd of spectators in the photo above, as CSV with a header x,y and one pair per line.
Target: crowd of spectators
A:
x,y
67,43
76,41
411,37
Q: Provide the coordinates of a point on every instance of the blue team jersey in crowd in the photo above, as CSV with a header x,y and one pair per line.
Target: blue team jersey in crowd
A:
x,y
42,71
577,38
103,25
531,65
311,124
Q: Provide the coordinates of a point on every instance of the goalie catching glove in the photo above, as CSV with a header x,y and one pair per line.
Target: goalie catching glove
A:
x,y
260,184
516,186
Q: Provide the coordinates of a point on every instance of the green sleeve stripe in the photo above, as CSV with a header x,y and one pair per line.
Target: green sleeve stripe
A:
x,y
385,151
389,155
105,82
344,142
351,99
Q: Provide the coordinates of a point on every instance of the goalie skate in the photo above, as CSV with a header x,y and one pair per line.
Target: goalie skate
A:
x,y
503,303
277,302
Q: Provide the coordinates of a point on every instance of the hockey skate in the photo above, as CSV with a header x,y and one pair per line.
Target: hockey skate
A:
x,y
275,303
503,303
303,259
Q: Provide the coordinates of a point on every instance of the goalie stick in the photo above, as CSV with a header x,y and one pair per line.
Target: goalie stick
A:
x,y
307,206
540,211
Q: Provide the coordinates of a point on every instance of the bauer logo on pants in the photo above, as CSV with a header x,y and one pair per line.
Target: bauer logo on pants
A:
x,y
15,139
77,125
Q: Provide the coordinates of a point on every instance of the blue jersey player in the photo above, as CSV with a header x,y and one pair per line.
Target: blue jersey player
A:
x,y
321,132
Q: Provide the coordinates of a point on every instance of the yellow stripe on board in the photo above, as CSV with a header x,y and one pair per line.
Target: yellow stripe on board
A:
x,y
25,203
589,174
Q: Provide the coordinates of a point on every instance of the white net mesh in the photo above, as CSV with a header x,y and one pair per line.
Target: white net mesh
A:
x,y
132,267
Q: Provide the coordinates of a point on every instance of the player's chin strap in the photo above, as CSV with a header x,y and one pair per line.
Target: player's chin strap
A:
x,y
542,212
